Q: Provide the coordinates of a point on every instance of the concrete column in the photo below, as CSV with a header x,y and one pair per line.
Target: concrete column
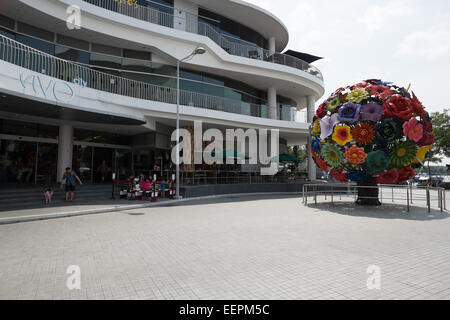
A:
x,y
272,45
65,149
311,101
272,103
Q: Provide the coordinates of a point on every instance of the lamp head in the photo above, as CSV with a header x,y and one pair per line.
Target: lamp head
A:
x,y
200,50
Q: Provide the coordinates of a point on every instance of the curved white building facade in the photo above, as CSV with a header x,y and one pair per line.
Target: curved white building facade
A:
x,y
105,93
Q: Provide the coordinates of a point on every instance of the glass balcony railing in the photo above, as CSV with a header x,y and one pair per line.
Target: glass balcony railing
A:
x,y
27,57
190,23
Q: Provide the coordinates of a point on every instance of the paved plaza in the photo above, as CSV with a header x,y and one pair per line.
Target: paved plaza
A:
x,y
260,247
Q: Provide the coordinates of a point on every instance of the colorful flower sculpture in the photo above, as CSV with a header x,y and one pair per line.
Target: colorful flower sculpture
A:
x,y
372,131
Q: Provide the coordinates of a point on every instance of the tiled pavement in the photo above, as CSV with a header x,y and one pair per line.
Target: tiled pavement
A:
x,y
260,248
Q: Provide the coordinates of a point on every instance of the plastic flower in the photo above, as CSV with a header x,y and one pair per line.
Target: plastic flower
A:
x,y
339,175
387,177
320,163
417,107
355,155
421,154
377,161
372,112
349,113
327,125
402,153
316,145
398,106
342,135
334,103
316,127
380,91
405,174
413,130
357,175
363,133
357,95
322,111
427,139
332,155
386,131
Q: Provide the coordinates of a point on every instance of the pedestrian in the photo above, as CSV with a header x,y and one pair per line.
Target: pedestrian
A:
x,y
70,179
48,195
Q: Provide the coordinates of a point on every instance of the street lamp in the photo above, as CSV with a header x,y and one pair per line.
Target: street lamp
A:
x,y
197,51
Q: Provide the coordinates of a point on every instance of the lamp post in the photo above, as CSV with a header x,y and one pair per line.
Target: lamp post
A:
x,y
197,51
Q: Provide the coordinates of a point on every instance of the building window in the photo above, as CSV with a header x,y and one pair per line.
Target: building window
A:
x,y
37,44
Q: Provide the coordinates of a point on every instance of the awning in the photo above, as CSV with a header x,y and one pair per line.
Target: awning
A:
x,y
303,56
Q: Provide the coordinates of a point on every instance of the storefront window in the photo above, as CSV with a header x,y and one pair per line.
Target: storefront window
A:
x,y
71,54
17,161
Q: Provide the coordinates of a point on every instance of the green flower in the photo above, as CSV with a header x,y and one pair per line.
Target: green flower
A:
x,y
334,103
402,153
377,161
332,155
357,95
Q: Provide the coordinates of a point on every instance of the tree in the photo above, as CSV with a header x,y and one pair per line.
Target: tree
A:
x,y
441,131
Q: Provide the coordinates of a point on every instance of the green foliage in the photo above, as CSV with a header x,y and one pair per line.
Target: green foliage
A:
x,y
441,130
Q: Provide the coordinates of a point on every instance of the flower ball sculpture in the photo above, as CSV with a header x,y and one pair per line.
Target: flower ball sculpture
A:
x,y
371,133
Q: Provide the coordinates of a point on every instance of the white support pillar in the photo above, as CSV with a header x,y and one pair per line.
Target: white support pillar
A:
x,y
272,45
311,101
65,149
272,103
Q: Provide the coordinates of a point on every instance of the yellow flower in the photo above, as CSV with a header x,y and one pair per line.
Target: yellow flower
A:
x,y
342,135
316,128
357,95
421,153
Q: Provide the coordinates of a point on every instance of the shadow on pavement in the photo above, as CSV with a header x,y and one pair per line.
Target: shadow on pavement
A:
x,y
385,211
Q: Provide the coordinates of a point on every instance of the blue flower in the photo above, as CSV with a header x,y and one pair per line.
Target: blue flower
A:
x,y
349,113
358,175
316,145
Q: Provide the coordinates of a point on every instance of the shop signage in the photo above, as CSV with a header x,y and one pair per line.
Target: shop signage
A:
x,y
50,89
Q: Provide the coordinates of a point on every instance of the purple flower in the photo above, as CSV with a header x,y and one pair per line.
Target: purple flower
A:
x,y
327,125
372,112
349,112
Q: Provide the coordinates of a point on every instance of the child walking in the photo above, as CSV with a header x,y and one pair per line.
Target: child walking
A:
x,y
48,195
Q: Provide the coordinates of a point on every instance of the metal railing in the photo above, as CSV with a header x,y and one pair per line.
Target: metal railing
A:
x,y
190,23
29,58
402,194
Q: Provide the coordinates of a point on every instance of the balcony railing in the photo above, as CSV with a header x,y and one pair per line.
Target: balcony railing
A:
x,y
27,57
189,22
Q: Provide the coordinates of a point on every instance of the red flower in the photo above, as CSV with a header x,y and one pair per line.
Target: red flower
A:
x,y
427,139
427,126
322,111
363,133
360,85
338,91
398,106
339,175
383,92
405,174
417,107
387,177
321,163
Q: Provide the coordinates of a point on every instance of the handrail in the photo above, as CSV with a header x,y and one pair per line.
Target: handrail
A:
x,y
191,24
29,58
410,193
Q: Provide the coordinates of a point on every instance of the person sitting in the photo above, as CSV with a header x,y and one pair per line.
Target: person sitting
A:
x,y
48,195
145,187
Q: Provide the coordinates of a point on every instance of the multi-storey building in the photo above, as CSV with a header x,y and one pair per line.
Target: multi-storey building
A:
x,y
106,93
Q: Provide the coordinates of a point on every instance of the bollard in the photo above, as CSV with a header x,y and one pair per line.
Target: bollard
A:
x,y
428,200
381,195
315,195
392,194
411,191
444,199
407,198
440,200
332,195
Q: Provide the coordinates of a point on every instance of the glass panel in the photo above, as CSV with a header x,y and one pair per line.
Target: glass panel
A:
x,y
17,161
7,34
48,158
82,162
123,164
72,54
103,158
40,45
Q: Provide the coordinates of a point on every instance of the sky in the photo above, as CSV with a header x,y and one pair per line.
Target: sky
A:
x,y
400,41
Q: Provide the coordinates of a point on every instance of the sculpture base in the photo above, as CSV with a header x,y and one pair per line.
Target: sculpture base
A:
x,y
368,193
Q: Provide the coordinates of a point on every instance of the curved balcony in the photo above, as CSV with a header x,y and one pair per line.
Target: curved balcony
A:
x,y
27,57
191,23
